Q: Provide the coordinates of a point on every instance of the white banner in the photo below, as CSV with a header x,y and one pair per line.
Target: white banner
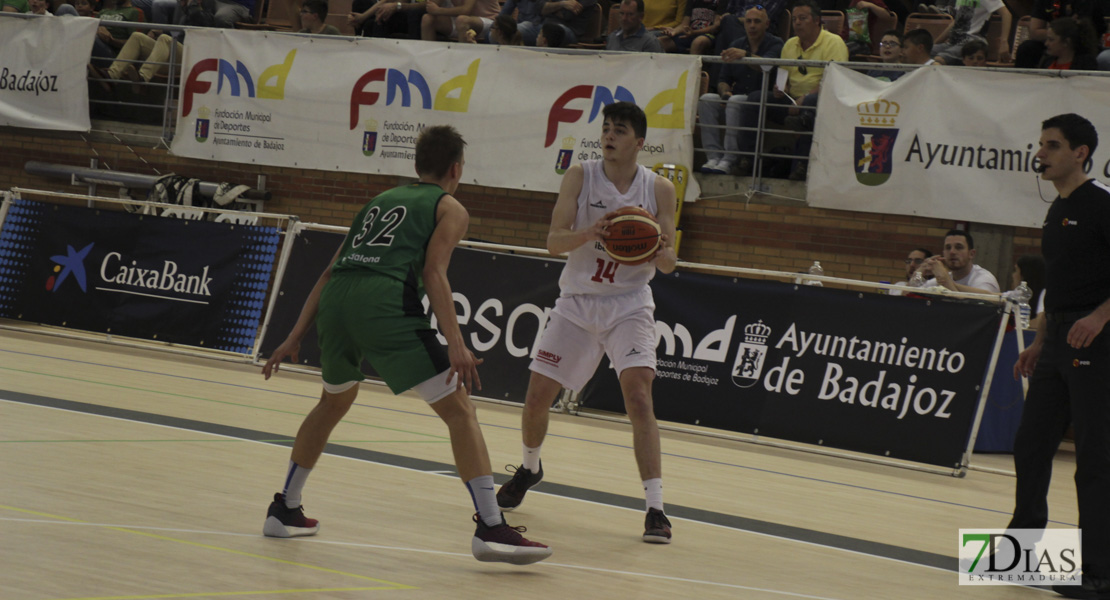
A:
x,y
43,81
945,142
358,105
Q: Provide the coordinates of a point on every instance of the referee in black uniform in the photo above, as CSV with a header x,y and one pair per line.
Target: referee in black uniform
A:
x,y
1069,362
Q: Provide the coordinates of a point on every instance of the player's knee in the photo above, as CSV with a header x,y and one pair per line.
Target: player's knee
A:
x,y
637,403
455,407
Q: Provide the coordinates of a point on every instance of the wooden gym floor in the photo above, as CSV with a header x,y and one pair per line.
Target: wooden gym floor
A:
x,y
136,474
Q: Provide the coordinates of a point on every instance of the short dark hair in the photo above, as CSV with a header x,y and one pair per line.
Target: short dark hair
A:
x,y
1075,129
438,148
814,8
894,32
317,7
973,46
640,8
506,27
920,37
970,241
627,112
924,251
554,35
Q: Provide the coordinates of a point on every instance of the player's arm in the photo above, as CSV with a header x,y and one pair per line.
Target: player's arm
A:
x,y
1028,357
292,344
665,258
562,237
451,223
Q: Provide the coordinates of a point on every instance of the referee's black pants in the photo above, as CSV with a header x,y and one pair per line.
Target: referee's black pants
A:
x,y
1068,386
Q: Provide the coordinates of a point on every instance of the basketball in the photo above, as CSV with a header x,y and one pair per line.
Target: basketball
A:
x,y
633,235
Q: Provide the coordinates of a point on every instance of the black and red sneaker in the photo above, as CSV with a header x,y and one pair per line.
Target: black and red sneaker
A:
x,y
657,528
502,543
285,522
512,493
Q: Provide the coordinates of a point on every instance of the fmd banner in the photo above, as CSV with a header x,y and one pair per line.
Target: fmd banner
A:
x,y
196,283
358,105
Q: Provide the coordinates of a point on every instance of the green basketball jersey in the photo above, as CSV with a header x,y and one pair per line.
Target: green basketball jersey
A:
x,y
390,235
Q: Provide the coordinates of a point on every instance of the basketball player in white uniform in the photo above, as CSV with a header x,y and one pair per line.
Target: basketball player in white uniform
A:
x,y
604,306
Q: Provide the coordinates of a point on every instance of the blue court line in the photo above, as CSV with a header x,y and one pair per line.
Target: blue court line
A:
x,y
565,437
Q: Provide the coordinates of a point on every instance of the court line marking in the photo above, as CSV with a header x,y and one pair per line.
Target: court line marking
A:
x,y
139,531
423,551
223,594
437,470
550,434
214,401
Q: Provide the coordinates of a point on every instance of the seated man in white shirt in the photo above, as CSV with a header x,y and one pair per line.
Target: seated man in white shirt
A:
x,y
955,268
915,259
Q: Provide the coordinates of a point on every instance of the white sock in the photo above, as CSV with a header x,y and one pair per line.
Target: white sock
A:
x,y
485,499
653,492
294,484
532,458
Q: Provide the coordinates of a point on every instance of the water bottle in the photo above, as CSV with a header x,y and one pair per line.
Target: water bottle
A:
x,y
816,270
1022,295
918,280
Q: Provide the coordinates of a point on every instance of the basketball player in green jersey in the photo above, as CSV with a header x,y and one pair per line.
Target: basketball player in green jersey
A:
x,y
367,305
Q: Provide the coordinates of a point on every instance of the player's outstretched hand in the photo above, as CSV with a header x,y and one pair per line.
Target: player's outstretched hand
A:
x,y
289,348
465,364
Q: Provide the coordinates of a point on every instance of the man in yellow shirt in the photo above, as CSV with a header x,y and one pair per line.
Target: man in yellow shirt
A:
x,y
803,83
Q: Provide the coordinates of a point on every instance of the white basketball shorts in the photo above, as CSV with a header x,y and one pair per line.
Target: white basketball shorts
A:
x,y
583,327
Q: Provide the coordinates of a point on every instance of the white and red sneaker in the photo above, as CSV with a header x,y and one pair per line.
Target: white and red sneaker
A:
x,y
502,543
285,522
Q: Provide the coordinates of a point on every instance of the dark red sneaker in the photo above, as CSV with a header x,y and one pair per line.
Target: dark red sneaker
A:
x,y
657,528
502,543
512,493
284,522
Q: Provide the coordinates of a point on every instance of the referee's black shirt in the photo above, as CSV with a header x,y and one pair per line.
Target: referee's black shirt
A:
x,y
1076,246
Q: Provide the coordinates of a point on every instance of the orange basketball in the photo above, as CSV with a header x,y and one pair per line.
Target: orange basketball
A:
x,y
633,235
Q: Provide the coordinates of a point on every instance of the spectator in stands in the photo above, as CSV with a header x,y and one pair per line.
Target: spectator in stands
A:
x,y
803,83
551,36
890,51
956,270
230,12
313,14
694,34
17,6
109,40
736,82
858,37
386,18
503,32
39,7
84,8
1031,51
732,22
572,15
970,19
660,15
974,54
917,47
1070,44
156,11
448,17
914,260
633,35
529,20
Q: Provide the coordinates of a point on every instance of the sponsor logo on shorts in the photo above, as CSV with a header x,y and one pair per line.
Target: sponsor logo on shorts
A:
x,y
1080,363
548,357
633,352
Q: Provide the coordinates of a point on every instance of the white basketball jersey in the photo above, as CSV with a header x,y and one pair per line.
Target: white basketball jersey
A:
x,y
589,270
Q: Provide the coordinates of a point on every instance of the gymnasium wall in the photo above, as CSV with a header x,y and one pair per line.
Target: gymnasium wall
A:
x,y
722,229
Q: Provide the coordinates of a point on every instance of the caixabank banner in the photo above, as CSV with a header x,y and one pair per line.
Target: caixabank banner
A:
x,y
196,283
885,375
